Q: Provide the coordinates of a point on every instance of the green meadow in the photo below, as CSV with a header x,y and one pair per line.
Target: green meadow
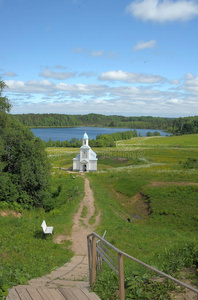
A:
x,y
25,252
147,192
149,208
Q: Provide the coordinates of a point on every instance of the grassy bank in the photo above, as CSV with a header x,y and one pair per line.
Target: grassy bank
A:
x,y
25,252
150,210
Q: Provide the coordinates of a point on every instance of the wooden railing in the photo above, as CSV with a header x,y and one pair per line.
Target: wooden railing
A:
x,y
99,249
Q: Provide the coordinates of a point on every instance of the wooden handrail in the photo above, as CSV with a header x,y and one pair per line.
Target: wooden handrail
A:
x,y
92,268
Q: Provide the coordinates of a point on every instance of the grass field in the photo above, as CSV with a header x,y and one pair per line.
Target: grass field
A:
x,y
149,207
160,198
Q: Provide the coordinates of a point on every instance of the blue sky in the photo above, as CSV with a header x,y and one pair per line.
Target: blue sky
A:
x,y
133,58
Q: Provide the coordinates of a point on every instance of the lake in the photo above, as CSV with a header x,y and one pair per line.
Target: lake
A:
x,y
63,134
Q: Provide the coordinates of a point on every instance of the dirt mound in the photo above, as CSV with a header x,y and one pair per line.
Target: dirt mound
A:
x,y
10,213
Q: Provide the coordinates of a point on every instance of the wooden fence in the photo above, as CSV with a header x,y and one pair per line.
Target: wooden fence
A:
x,y
99,249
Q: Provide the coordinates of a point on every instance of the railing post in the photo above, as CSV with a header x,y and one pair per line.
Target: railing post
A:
x,y
121,276
93,263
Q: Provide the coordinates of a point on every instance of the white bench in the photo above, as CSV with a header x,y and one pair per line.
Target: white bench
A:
x,y
46,229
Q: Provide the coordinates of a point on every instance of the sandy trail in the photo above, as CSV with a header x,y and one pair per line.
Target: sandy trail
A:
x,y
81,227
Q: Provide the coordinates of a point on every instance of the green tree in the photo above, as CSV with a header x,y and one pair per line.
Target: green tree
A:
x,y
149,134
24,168
5,105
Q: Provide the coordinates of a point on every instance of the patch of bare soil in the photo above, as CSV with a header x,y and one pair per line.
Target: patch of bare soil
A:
x,y
81,227
136,207
166,184
185,294
59,239
9,213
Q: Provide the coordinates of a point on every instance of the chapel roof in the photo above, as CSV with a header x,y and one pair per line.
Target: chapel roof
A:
x,y
85,136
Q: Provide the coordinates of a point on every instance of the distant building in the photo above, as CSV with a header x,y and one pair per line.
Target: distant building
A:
x,y
86,160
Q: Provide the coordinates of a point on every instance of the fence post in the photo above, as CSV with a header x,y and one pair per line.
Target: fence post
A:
x,y
93,263
121,276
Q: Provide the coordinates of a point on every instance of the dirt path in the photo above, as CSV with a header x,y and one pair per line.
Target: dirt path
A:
x,y
73,277
81,227
75,272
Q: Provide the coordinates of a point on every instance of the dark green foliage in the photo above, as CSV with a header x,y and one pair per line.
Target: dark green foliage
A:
x,y
24,176
107,284
149,134
73,143
191,163
187,125
24,167
4,103
60,120
183,255
137,285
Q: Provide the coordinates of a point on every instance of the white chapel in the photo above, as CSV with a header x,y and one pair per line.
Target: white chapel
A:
x,y
86,160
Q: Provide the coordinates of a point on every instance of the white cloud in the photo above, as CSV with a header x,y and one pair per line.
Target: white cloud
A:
x,y
130,77
45,96
163,10
47,87
141,45
77,50
175,82
57,75
97,53
132,106
87,74
191,84
9,74
32,86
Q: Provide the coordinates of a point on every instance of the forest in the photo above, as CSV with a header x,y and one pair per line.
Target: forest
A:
x,y
63,120
177,126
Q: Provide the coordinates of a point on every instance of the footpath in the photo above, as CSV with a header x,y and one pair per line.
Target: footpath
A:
x,y
71,281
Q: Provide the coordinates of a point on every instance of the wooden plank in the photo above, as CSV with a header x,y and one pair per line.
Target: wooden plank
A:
x,y
56,294
22,292
34,294
79,294
45,294
68,294
90,295
93,263
121,276
12,295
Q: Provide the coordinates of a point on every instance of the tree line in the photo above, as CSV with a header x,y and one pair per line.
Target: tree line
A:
x,y
63,120
102,140
187,125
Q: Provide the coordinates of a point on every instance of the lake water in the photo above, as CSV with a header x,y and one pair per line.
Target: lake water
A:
x,y
63,134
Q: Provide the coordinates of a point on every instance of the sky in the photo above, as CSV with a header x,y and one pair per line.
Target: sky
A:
x,y
113,57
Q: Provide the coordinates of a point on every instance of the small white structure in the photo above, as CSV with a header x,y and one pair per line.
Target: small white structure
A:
x,y
86,160
46,229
